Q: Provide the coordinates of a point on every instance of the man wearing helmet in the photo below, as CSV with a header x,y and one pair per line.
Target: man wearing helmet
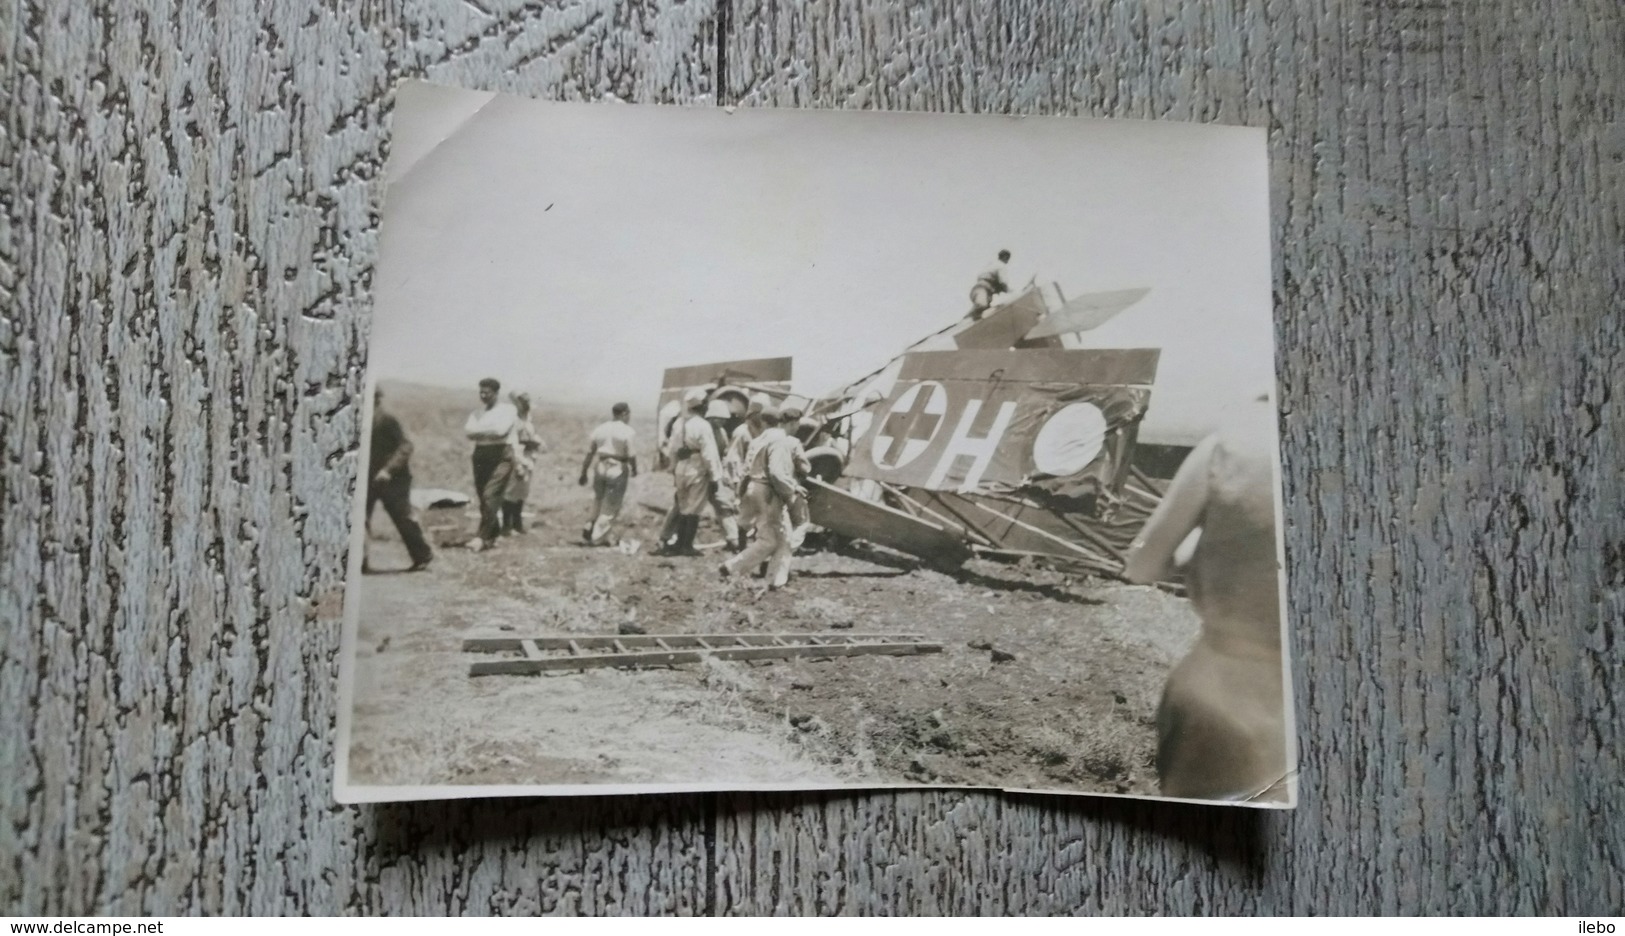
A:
x,y
791,420
772,470
724,497
696,468
734,463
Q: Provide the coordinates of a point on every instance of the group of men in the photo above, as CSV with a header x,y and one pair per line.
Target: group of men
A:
x,y
750,472
752,477
505,445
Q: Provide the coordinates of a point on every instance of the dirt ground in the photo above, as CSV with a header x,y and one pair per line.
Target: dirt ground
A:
x,y
1044,680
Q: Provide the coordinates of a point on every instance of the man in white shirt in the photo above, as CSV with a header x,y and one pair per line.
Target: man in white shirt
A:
x,y
612,465
990,283
491,428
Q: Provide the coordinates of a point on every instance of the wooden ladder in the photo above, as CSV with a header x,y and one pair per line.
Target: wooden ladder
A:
x,y
545,654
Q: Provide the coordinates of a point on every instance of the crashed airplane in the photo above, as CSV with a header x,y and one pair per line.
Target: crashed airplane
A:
x,y
1001,436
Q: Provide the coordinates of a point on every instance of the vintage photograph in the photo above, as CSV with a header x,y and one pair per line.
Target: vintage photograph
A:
x,y
758,449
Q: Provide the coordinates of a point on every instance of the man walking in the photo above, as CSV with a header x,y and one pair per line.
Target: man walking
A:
x,y
771,486
612,465
696,468
391,483
492,429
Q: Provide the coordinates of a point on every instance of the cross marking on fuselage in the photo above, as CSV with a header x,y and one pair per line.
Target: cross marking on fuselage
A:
x,y
914,424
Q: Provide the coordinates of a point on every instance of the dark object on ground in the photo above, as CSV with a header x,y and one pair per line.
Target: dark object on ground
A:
x,y
435,498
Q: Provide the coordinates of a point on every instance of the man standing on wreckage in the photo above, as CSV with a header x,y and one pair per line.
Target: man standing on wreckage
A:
x,y
696,471
989,283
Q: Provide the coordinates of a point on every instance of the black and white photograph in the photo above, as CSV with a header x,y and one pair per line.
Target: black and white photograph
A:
x,y
714,449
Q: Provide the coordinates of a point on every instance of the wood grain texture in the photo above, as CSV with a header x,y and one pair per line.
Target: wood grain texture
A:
x,y
1450,278
189,225
191,207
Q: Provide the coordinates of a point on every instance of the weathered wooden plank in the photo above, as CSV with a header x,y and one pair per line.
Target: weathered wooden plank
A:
x,y
1449,309
184,276
969,852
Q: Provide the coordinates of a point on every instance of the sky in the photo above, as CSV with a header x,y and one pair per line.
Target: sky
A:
x,y
577,250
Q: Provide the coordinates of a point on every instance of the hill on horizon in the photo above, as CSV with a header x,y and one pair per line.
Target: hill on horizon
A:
x,y
417,391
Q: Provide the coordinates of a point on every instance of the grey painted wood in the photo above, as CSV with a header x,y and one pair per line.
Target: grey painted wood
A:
x,y
1450,276
189,223
185,272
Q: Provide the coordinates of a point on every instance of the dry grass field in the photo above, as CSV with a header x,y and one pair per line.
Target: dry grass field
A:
x,y
1044,680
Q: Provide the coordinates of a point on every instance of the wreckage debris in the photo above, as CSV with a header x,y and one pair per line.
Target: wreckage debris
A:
x,y
1017,446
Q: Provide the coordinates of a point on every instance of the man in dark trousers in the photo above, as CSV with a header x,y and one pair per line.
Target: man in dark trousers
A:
x,y
492,430
989,283
391,482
